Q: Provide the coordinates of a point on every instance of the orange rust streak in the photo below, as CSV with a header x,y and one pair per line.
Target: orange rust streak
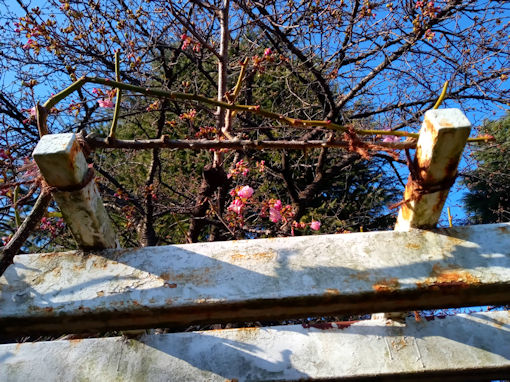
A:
x,y
448,277
386,285
253,256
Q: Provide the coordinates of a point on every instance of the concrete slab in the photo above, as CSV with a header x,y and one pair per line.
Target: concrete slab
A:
x,y
256,279
462,347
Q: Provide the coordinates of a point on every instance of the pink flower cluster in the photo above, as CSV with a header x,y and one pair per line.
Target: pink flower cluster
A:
x,y
243,194
30,44
315,225
6,239
107,97
187,41
3,154
272,209
390,138
277,211
105,102
275,214
240,168
52,226
190,115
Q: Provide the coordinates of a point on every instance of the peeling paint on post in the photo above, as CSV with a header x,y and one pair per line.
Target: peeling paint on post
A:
x,y
63,166
442,139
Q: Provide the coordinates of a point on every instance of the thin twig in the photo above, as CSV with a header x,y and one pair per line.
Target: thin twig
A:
x,y
116,112
29,224
441,96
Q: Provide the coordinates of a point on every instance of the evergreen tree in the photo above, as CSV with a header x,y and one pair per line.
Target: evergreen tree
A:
x,y
488,200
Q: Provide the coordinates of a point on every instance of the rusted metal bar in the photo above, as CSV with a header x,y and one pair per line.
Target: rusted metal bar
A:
x,y
442,139
463,348
256,280
63,166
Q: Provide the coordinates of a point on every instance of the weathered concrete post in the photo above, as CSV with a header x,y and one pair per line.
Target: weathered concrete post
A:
x,y
443,136
63,166
442,139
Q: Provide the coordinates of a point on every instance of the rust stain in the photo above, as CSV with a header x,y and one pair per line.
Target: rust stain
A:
x,y
168,285
263,256
18,346
332,291
79,266
100,262
448,277
100,293
75,341
504,229
413,246
362,275
240,331
165,276
399,344
386,285
75,149
48,309
445,123
251,329
51,255
135,302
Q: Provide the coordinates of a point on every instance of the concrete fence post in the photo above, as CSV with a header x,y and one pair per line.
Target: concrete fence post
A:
x,y
443,137
64,168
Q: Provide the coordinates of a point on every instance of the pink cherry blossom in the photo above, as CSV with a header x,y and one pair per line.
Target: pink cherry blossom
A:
x,y
278,205
274,215
315,225
391,138
29,44
268,52
246,192
32,112
106,102
236,206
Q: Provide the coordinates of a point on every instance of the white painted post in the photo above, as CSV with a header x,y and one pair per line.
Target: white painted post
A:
x,y
63,166
442,139
443,135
